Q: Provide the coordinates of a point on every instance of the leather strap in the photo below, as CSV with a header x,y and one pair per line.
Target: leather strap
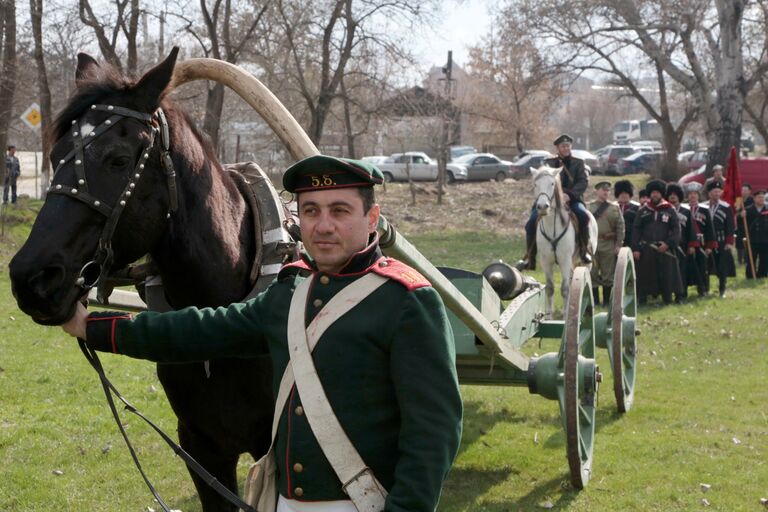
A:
x,y
357,479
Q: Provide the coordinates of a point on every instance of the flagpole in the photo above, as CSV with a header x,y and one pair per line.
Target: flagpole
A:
x,y
748,243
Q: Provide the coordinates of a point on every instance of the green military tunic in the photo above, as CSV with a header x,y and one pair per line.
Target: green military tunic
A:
x,y
610,237
387,367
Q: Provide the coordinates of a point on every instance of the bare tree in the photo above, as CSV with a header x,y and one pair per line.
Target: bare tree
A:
x,y
36,11
225,35
513,82
324,39
127,14
9,63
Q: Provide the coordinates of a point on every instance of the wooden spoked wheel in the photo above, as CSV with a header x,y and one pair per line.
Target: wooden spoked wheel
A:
x,y
623,348
578,392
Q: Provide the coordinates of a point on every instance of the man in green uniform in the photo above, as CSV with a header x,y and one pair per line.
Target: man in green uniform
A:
x,y
610,238
387,366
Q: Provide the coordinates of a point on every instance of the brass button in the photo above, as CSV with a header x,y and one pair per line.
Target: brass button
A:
x,y
317,303
298,492
324,280
299,411
298,467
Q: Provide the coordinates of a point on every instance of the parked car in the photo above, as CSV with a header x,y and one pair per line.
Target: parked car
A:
x,y
751,170
375,160
521,168
610,160
590,159
641,161
459,151
421,167
695,160
484,166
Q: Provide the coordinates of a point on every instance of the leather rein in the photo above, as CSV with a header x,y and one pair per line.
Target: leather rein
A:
x,y
104,257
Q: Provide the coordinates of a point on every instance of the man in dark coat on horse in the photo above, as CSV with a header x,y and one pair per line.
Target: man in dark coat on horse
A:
x,y
623,190
655,237
703,243
574,180
674,196
721,261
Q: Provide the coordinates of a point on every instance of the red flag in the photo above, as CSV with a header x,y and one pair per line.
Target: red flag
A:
x,y
732,190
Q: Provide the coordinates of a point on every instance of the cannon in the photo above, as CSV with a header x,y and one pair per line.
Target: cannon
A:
x,y
488,335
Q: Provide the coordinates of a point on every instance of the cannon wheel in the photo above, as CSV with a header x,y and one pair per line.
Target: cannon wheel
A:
x,y
578,405
623,346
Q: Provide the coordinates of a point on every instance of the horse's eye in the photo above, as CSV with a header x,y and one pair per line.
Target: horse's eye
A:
x,y
119,162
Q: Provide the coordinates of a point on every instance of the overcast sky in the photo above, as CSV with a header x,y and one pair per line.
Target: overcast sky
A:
x,y
464,23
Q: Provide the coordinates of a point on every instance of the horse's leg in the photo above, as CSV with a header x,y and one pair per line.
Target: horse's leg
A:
x,y
220,464
548,265
565,255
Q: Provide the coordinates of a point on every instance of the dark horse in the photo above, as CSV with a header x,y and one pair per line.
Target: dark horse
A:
x,y
200,237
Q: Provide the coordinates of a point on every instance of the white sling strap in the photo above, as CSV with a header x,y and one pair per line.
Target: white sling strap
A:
x,y
357,479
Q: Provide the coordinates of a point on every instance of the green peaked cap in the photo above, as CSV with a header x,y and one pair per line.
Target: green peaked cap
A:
x,y
322,172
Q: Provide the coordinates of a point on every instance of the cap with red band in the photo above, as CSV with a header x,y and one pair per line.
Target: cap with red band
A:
x,y
322,172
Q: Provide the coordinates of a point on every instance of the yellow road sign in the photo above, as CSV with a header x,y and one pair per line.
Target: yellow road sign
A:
x,y
32,116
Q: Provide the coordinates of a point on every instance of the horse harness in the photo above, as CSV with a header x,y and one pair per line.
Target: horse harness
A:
x,y
104,256
553,240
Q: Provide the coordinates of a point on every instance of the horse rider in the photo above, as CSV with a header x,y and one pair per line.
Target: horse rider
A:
x,y
655,236
574,180
610,238
387,366
623,190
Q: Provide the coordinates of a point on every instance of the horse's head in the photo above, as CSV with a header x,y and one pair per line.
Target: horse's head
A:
x,y
546,187
110,194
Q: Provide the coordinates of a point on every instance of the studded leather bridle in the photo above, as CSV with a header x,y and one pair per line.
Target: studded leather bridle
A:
x,y
104,256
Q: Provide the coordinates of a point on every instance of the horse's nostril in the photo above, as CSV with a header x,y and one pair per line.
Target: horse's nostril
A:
x,y
47,280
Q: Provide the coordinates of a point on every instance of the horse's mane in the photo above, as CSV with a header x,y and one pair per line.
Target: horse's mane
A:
x,y
110,82
89,92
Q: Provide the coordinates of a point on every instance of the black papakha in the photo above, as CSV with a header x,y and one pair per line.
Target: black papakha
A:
x,y
322,172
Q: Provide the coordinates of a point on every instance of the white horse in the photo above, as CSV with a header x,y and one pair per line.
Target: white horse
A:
x,y
556,233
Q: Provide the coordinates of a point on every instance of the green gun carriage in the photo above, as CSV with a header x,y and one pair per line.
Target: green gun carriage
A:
x,y
488,335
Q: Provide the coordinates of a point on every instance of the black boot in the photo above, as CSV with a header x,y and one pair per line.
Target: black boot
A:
x,y
586,258
596,295
529,262
607,295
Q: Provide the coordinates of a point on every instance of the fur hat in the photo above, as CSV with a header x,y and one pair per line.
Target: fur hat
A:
x,y
693,186
714,184
623,186
657,185
674,188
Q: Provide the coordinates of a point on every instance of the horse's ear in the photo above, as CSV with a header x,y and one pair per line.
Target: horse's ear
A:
x,y
87,68
156,80
533,171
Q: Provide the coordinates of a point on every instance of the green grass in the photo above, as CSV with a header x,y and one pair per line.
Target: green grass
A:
x,y
701,384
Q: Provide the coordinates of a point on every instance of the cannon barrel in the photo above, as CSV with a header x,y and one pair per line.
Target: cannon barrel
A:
x,y
394,244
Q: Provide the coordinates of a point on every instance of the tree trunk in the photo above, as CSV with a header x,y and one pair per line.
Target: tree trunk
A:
x,y
729,102
8,78
319,114
348,122
214,105
44,92
669,165
759,123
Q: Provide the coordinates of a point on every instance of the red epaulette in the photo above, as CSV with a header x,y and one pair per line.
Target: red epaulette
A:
x,y
301,264
400,272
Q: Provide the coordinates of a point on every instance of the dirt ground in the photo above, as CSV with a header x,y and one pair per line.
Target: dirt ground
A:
x,y
501,208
